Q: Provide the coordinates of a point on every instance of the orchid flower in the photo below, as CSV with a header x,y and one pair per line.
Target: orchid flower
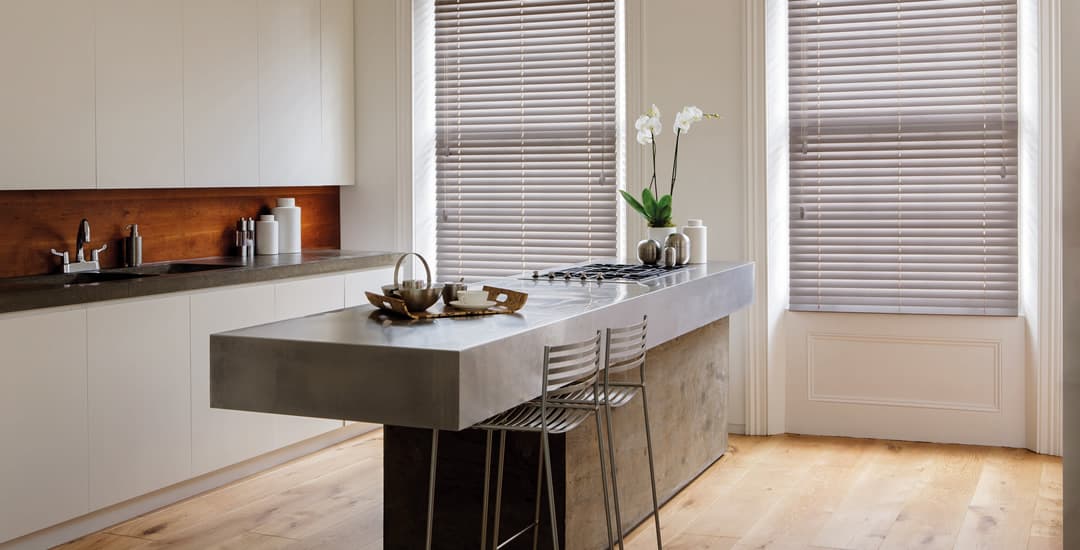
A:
x,y
655,207
686,117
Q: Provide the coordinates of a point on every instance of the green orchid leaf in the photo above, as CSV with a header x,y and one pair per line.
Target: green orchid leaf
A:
x,y
649,202
664,211
633,202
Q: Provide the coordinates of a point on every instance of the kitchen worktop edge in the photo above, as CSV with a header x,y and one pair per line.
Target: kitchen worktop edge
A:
x,y
17,295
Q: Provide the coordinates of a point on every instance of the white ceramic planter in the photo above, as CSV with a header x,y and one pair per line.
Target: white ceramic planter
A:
x,y
659,234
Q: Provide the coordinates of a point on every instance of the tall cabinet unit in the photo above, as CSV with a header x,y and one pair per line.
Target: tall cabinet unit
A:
x,y
43,432
46,94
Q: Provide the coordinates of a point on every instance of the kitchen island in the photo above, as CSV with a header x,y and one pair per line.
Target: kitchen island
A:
x,y
448,374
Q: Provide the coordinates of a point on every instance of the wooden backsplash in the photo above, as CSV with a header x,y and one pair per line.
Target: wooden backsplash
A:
x,y
176,224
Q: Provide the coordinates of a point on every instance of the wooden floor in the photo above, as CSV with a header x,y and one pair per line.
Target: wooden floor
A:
x,y
778,492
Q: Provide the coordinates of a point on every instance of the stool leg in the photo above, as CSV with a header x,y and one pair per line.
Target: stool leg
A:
x,y
539,493
614,474
487,484
498,489
652,468
603,479
431,485
551,488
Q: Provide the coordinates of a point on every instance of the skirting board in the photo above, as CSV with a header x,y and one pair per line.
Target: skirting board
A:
x,y
107,517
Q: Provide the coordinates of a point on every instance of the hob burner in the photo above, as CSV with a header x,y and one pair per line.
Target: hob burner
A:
x,y
620,273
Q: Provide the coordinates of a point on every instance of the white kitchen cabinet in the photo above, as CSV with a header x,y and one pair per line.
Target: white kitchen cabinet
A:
x,y
290,112
43,433
337,166
139,406
297,299
221,93
139,58
46,94
359,282
222,437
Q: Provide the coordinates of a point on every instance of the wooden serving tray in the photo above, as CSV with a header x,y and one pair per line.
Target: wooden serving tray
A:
x,y
506,301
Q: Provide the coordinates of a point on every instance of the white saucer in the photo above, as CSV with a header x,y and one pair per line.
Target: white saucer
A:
x,y
473,307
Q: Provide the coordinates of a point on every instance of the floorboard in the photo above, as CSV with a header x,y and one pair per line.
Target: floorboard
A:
x,y
781,492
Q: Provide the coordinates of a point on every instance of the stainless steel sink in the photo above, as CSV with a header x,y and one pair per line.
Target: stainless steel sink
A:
x,y
176,268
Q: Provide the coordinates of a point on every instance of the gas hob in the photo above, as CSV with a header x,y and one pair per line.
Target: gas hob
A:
x,y
617,273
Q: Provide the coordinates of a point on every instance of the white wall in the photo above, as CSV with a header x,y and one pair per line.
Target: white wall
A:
x,y
690,52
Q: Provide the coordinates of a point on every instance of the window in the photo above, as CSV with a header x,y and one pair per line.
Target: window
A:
x,y
903,156
526,135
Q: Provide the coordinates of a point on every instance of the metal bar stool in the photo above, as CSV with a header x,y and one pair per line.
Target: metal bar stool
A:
x,y
569,370
625,352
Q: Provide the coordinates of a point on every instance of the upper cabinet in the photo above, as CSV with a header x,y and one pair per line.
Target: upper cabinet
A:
x,y
338,93
221,93
140,93
290,110
47,94
173,93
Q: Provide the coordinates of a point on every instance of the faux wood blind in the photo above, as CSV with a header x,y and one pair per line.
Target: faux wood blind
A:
x,y
525,113
903,156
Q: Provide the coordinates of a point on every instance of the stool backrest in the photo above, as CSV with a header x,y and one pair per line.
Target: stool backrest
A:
x,y
626,349
570,368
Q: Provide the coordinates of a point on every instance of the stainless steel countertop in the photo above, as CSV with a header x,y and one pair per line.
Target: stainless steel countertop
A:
x,y
450,373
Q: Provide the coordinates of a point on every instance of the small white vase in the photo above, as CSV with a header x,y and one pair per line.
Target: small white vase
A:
x,y
659,234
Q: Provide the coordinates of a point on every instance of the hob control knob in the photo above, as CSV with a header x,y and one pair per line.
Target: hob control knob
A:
x,y
536,274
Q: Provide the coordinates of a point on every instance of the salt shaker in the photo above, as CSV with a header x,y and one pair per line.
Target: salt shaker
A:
x,y
671,256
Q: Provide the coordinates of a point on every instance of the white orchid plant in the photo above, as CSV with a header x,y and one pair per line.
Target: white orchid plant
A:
x,y
654,207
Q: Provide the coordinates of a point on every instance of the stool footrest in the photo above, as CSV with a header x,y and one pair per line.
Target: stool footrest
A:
x,y
516,535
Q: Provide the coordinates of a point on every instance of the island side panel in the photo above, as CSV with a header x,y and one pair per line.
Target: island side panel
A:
x,y
687,381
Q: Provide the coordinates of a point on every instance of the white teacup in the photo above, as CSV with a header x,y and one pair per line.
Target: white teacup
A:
x,y
472,297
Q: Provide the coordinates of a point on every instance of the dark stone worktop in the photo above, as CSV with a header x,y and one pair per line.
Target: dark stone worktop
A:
x,y
25,293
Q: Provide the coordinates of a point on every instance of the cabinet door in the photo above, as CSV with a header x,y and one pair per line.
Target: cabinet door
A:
x,y
337,166
139,397
289,96
43,473
46,94
359,282
139,93
221,93
297,299
222,437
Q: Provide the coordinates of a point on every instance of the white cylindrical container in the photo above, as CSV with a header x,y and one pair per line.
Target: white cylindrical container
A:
x,y
288,218
699,246
266,235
